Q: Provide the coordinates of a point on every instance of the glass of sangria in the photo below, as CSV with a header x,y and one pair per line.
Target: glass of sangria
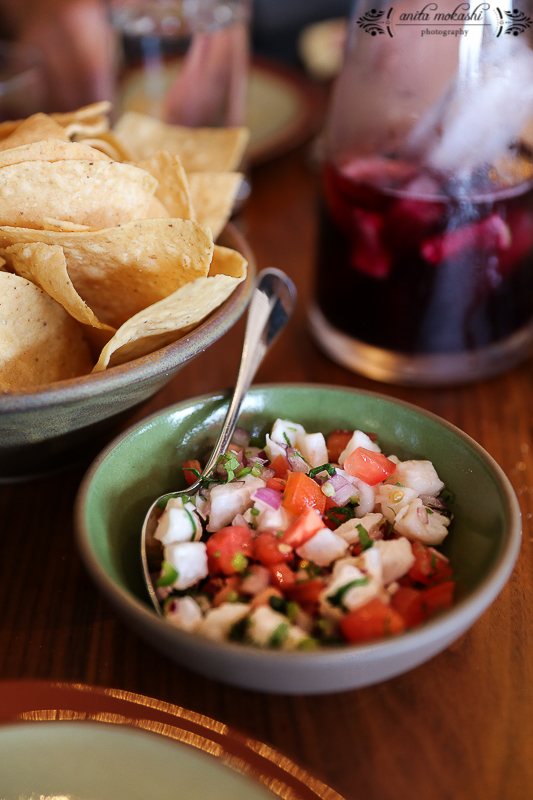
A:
x,y
424,269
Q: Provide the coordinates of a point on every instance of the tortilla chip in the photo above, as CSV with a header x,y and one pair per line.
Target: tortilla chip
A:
x,y
50,150
213,195
46,267
168,320
173,187
40,342
91,113
52,224
34,129
120,271
108,143
199,149
157,209
99,193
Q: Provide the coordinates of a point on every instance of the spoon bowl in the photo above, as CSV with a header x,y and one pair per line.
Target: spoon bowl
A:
x,y
271,306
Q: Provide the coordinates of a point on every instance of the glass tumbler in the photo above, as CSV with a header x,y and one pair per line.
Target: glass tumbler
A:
x,y
183,61
424,269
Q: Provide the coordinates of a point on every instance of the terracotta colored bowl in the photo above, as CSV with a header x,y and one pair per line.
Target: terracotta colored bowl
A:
x,y
143,463
45,429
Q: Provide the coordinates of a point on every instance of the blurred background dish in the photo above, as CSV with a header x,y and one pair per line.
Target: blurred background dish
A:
x,y
145,462
144,749
44,429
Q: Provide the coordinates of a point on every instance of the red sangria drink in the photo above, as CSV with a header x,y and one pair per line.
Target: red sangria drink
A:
x,y
415,266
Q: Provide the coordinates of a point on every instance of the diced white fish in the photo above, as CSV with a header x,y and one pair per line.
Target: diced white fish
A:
x,y
268,518
396,558
323,548
313,448
349,529
270,628
391,499
359,439
184,613
219,621
230,499
189,559
418,475
282,435
179,522
416,523
349,588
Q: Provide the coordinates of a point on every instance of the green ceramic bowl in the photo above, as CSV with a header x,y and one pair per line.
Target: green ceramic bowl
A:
x,y
144,462
44,429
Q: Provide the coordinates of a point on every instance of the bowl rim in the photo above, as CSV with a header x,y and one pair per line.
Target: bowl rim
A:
x,y
451,623
137,370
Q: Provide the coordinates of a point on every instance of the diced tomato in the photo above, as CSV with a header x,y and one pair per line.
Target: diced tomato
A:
x,y
438,597
282,576
374,620
228,550
336,443
302,492
269,549
430,566
229,587
280,465
368,466
306,593
190,477
407,601
302,529
276,483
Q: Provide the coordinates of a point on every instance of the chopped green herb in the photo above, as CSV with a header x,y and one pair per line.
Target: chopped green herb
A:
x,y
333,514
191,520
307,644
337,599
256,469
292,610
239,561
329,468
447,496
279,635
287,440
168,576
254,512
277,603
364,538
244,471
239,630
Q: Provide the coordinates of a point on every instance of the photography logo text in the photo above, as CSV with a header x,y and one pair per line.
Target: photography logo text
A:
x,y
430,20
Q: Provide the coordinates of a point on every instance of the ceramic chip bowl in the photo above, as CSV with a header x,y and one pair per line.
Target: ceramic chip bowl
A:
x,y
144,462
44,429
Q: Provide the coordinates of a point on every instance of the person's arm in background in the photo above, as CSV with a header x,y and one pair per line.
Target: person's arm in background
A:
x,y
75,41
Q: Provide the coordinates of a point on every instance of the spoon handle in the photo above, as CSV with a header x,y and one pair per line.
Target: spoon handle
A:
x,y
271,306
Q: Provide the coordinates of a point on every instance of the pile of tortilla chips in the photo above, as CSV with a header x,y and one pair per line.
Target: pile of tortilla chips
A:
x,y
107,239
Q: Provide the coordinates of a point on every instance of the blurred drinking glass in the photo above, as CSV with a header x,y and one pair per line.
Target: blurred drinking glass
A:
x,y
22,90
425,253
183,61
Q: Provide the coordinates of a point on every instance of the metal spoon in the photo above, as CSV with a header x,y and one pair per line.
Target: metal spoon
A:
x,y
271,306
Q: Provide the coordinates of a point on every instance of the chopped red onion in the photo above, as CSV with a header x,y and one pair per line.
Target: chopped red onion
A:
x,y
296,462
344,490
240,520
257,581
269,496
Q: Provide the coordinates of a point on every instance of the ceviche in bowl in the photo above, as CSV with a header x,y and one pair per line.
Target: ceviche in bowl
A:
x,y
343,538
303,540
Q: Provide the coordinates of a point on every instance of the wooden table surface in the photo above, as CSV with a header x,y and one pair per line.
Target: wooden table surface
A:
x,y
459,726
